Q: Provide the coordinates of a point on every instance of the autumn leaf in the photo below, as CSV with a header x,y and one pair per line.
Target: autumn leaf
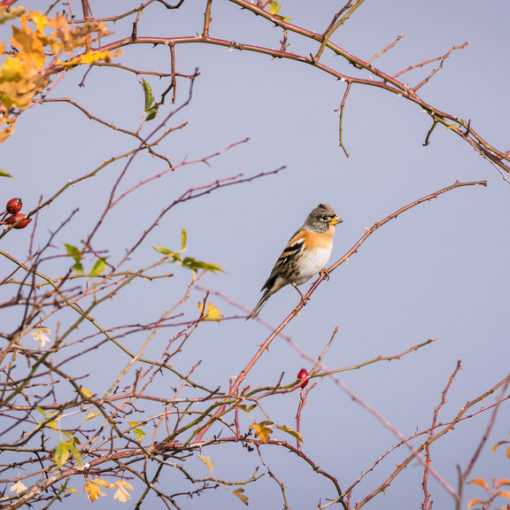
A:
x,y
481,482
262,431
122,493
93,488
212,313
3,173
240,494
207,461
505,494
474,502
502,481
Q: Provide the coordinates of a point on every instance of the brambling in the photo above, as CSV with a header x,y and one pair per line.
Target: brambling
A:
x,y
305,255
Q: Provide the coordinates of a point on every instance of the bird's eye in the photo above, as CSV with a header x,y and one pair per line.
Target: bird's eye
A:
x,y
325,218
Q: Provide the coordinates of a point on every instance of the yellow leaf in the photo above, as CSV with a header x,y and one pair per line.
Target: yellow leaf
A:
x,y
274,8
239,493
85,392
474,502
90,415
262,432
18,487
93,487
212,313
207,462
40,21
480,482
122,493
508,452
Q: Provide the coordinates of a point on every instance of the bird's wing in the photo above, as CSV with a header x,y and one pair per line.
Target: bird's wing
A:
x,y
283,264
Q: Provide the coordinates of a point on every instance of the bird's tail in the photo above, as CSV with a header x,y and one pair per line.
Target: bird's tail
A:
x,y
267,294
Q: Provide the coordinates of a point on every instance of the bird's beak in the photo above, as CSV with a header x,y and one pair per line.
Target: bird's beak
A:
x,y
335,220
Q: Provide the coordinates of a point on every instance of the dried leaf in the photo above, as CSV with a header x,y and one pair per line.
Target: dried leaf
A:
x,y
240,494
122,493
41,335
18,487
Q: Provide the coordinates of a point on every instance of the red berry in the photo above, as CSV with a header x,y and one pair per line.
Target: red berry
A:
x,y
14,205
11,220
303,374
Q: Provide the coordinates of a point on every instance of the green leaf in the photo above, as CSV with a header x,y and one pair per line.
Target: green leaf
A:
x,y
78,267
292,432
169,253
99,266
61,453
195,265
246,408
149,96
90,415
3,173
152,112
184,238
75,452
139,433
74,252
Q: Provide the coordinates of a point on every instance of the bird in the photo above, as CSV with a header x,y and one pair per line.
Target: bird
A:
x,y
305,255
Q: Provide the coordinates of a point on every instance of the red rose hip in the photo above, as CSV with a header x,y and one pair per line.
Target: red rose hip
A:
x,y
303,374
14,205
11,220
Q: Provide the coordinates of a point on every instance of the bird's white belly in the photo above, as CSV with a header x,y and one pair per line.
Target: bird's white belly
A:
x,y
312,263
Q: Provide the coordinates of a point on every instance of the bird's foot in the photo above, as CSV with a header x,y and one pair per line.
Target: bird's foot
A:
x,y
325,273
304,298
